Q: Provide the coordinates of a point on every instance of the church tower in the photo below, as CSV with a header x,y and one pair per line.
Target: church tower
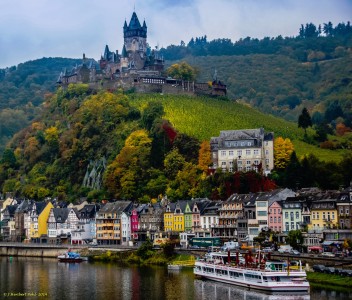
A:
x,y
135,41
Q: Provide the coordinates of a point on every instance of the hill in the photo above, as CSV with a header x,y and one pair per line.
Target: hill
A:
x,y
204,117
104,145
22,91
280,85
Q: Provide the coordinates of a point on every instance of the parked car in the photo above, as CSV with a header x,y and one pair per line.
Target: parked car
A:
x,y
295,252
329,270
318,268
328,254
267,249
346,272
339,271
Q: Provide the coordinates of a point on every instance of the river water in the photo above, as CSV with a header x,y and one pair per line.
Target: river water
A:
x,y
36,278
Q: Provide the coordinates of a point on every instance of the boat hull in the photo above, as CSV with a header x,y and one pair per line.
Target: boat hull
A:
x,y
71,260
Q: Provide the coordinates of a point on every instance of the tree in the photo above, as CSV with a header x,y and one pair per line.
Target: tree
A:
x,y
204,157
295,238
182,71
173,163
153,111
283,149
304,120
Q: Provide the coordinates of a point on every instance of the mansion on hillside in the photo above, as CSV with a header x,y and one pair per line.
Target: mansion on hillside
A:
x,y
243,150
136,67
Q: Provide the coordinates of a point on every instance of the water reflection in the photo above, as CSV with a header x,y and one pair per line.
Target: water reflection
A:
x,y
110,281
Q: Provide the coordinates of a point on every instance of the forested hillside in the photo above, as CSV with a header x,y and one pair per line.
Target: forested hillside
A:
x,y
279,76
22,91
105,145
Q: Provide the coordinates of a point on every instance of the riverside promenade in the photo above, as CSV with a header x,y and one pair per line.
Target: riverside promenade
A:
x,y
52,251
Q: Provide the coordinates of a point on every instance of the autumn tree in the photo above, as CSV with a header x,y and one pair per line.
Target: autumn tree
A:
x,y
204,157
173,163
283,149
125,176
185,184
182,71
304,120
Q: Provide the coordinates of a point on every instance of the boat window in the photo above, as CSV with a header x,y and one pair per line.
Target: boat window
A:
x,y
235,274
252,277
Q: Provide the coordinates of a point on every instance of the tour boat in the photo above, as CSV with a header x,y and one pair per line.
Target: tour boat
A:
x,y
71,257
258,273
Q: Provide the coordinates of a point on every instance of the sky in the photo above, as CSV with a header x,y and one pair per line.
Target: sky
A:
x,y
32,29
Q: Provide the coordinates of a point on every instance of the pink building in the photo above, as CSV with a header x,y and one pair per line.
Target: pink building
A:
x,y
134,223
275,216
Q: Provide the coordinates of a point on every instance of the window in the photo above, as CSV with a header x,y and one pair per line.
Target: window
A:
x,y
231,153
286,214
239,152
248,152
274,210
274,219
261,204
279,219
256,152
297,215
248,162
266,152
271,219
239,162
287,226
262,213
248,168
214,155
332,216
223,164
256,162
223,153
291,215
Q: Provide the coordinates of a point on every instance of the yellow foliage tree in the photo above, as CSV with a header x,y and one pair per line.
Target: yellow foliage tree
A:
x,y
204,158
283,149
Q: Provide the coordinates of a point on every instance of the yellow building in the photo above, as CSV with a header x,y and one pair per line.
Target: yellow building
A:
x,y
174,219
168,219
323,215
39,219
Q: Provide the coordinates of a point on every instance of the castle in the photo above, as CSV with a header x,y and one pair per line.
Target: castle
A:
x,y
138,67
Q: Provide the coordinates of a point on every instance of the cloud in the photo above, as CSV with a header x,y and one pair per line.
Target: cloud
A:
x,y
45,28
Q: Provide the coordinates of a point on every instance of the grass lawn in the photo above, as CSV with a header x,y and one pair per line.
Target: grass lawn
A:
x,y
329,281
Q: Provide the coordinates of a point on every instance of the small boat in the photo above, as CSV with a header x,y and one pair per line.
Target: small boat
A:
x,y
254,273
172,267
71,257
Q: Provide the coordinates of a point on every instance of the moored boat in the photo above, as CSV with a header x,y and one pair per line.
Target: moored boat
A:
x,y
72,257
260,274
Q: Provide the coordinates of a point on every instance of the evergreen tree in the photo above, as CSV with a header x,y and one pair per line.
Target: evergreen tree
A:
x,y
304,120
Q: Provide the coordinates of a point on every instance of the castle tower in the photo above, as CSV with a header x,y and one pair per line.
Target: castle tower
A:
x,y
135,41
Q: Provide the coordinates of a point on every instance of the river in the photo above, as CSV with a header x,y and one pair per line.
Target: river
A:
x,y
43,278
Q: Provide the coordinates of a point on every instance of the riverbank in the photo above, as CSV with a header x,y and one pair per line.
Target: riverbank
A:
x,y
330,281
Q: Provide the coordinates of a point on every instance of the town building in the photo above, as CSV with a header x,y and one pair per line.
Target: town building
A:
x,y
243,150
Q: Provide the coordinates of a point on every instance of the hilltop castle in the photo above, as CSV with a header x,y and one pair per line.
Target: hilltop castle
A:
x,y
137,67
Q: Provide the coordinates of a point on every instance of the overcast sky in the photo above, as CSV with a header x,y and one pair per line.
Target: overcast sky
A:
x,y
32,29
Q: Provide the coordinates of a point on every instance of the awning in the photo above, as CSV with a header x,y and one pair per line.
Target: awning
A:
x,y
314,248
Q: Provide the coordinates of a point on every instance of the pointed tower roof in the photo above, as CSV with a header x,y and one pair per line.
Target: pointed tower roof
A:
x,y
134,23
124,52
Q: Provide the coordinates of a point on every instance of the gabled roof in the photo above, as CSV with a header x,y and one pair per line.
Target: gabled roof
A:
x,y
117,207
87,212
39,207
61,214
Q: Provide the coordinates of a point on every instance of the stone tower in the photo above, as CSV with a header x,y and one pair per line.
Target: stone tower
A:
x,y
135,42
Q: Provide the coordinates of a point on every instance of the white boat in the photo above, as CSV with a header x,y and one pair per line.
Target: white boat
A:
x,y
259,274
